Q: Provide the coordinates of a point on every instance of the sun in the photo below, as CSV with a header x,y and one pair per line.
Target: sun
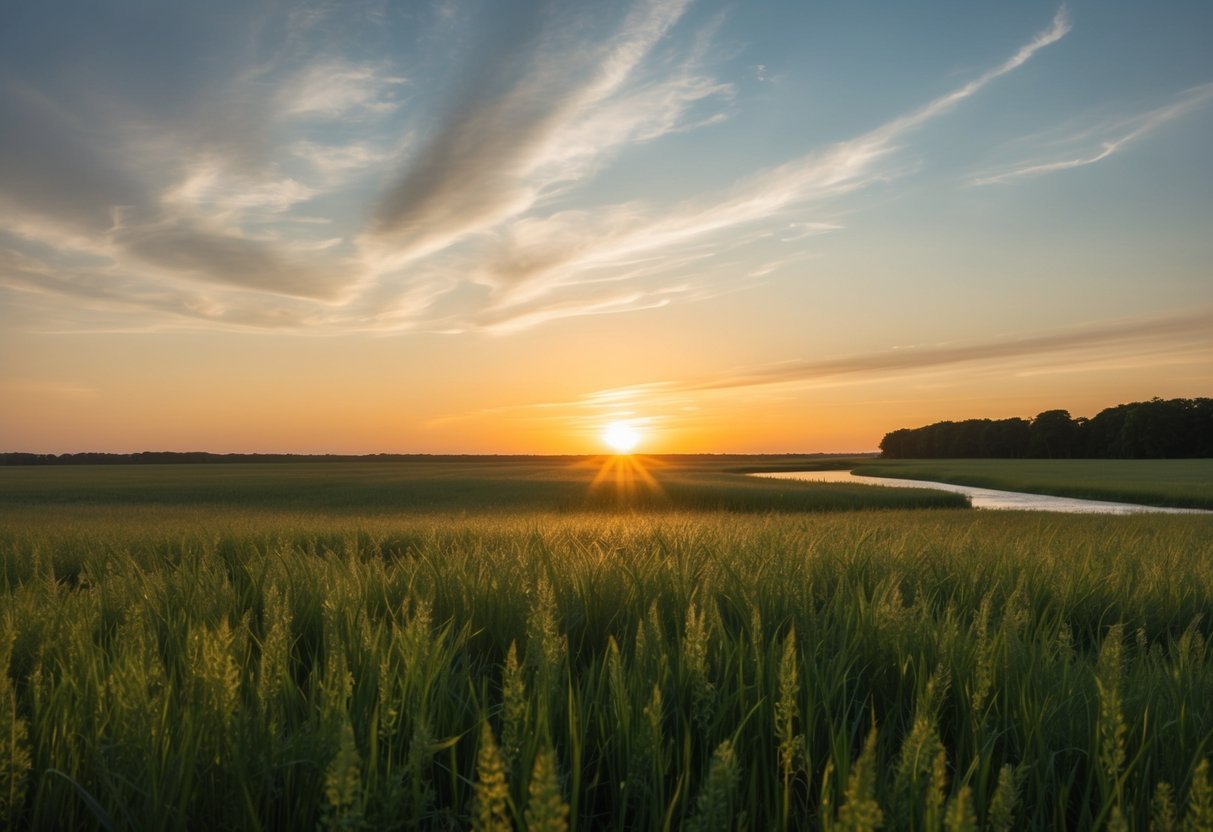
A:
x,y
621,436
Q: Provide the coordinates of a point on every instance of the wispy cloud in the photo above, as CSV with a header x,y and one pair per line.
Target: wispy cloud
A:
x,y
209,187
114,298
1147,341
188,250
1119,134
308,182
574,247
1131,334
499,151
336,88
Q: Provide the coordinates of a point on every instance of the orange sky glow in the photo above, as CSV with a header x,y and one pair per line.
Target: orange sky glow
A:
x,y
755,228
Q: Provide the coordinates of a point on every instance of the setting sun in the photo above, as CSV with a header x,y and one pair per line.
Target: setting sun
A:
x,y
621,436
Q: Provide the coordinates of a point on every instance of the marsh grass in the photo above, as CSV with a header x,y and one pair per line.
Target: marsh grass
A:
x,y
255,670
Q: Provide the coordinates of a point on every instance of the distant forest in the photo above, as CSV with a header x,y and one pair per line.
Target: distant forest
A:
x,y
1157,429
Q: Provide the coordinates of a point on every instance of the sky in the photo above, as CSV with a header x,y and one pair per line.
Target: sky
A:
x,y
499,227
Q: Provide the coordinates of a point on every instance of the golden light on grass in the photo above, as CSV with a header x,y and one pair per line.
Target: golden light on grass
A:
x,y
622,437
627,476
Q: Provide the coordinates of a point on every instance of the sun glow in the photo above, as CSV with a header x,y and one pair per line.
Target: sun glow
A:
x,y
621,436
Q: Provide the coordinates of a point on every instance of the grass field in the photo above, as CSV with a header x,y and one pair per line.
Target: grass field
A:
x,y
277,648
505,485
1183,483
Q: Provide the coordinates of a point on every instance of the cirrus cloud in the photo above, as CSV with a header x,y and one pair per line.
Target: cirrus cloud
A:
x,y
323,181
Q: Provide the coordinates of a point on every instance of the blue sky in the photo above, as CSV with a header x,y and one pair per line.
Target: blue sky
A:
x,y
579,198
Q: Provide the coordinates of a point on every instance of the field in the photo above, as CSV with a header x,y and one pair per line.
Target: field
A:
x,y
499,644
489,485
1183,483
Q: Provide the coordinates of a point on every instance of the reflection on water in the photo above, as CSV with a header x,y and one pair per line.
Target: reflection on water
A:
x,y
988,497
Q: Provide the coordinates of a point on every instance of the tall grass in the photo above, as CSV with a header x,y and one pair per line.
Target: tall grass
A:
x,y
696,670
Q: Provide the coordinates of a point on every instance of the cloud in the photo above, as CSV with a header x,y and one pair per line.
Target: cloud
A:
x,y
500,149
1120,134
115,298
53,166
335,88
197,253
333,163
1177,329
209,187
1147,341
316,178
525,316
1058,29
568,249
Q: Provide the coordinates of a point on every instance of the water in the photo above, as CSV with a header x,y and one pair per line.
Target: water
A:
x,y
988,497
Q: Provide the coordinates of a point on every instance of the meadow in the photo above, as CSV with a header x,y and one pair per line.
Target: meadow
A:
x,y
500,645
1182,483
486,485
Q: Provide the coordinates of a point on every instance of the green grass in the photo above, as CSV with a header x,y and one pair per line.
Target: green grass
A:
x,y
507,485
287,662
1182,483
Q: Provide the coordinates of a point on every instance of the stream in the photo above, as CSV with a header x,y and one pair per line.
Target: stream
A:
x,y
989,497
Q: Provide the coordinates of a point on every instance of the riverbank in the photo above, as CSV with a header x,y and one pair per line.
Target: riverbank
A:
x,y
1175,483
986,498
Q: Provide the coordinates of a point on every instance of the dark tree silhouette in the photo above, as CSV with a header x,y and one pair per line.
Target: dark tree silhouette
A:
x,y
1053,435
1157,429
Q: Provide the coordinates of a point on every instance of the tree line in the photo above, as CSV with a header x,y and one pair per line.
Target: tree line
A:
x,y
1157,429
204,457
